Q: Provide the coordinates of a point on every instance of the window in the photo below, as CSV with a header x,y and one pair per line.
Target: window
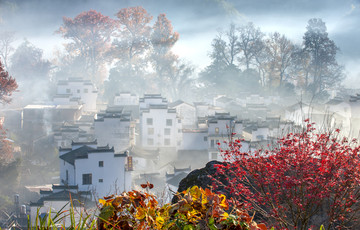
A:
x,y
216,130
101,163
150,131
67,176
149,121
86,90
179,121
166,141
214,156
101,180
87,178
205,138
78,91
168,122
68,91
212,144
150,141
167,131
179,130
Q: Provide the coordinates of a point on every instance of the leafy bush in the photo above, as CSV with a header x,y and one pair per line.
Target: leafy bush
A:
x,y
195,209
308,179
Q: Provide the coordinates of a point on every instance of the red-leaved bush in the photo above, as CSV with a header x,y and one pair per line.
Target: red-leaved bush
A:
x,y
306,179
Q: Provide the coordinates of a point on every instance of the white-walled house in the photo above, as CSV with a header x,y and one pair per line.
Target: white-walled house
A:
x,y
114,127
186,112
222,127
98,169
126,98
151,99
159,125
194,139
78,89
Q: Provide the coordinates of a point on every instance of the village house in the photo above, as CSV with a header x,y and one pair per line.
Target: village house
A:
x,y
159,125
186,112
126,98
222,128
115,127
94,168
76,90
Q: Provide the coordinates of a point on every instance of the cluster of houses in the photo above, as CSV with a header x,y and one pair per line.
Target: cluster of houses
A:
x,y
106,149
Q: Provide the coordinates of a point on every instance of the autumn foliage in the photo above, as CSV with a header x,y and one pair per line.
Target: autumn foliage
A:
x,y
308,179
196,209
7,85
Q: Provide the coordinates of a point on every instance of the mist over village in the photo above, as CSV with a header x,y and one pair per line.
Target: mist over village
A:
x,y
204,114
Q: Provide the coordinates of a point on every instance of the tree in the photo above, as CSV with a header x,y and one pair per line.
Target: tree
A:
x,y
308,178
250,43
7,85
279,51
27,63
133,38
163,38
6,48
222,71
91,34
324,71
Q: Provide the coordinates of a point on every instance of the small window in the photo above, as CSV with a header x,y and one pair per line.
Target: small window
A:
x,y
149,121
86,90
150,131
68,90
179,121
167,131
150,141
101,163
205,138
216,130
166,141
168,122
78,91
212,143
214,156
87,178
101,180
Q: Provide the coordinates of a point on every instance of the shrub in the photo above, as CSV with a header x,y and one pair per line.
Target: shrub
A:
x,y
307,179
196,209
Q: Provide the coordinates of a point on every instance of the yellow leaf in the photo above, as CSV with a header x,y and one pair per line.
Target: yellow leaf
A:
x,y
101,201
159,222
140,213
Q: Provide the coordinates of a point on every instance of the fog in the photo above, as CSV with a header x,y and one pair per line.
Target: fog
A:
x,y
196,64
197,21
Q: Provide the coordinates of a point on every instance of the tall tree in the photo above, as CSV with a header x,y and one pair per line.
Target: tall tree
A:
x,y
250,43
279,50
90,33
133,37
163,38
222,71
7,38
28,63
324,70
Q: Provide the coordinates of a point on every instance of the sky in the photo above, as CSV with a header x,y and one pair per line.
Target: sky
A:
x,y
198,22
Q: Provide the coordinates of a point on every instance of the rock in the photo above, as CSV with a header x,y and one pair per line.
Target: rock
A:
x,y
204,178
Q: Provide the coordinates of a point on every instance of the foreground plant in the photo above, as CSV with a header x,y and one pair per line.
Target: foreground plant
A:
x,y
307,179
196,209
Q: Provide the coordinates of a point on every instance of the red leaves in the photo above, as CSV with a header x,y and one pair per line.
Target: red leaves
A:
x,y
7,85
306,172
